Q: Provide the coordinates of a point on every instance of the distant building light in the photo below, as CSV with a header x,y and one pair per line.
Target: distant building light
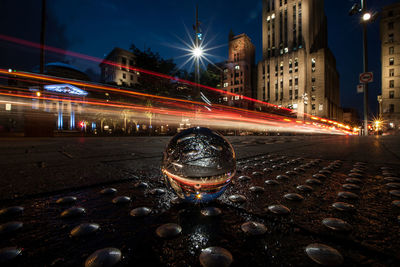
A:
x,y
65,89
272,16
8,106
294,106
9,70
237,67
268,18
390,124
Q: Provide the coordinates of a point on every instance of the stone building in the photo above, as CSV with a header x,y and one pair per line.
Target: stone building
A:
x,y
239,72
298,70
119,75
389,101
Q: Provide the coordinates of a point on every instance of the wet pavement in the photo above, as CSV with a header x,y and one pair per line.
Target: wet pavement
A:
x,y
288,222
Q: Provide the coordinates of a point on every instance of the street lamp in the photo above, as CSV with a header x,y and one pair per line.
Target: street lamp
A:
x,y
197,52
366,17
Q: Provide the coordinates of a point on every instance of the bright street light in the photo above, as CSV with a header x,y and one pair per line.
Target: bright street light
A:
x,y
197,52
366,16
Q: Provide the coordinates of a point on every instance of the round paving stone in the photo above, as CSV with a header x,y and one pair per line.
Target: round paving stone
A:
x,y
279,209
313,181
237,198
104,257
324,255
343,206
215,257
121,200
271,182
325,172
108,191
157,191
396,203
353,180
319,176
395,193
386,168
357,171
253,228
293,196
336,224
141,185
351,186
66,200
393,185
282,177
73,212
257,189
292,173
304,188
168,230
355,175
392,179
276,167
211,211
299,169
140,212
244,178
10,227
385,174
267,170
84,229
257,174
9,253
11,211
347,195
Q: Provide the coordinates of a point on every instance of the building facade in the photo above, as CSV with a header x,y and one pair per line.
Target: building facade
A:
x,y
389,100
298,70
119,75
239,71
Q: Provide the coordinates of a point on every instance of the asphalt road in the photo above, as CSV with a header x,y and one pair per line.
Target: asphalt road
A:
x,y
36,172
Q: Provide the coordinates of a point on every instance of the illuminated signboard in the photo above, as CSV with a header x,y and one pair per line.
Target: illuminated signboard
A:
x,y
65,89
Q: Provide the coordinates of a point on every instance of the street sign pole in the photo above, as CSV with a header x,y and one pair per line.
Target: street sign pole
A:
x,y
365,59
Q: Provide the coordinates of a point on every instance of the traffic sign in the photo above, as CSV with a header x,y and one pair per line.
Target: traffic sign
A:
x,y
360,88
366,77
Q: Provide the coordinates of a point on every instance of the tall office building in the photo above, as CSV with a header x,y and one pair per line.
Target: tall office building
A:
x,y
298,70
389,101
239,71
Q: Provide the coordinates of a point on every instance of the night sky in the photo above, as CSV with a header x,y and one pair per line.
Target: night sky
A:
x,y
95,27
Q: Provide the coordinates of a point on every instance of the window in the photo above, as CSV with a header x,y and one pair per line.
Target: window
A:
x,y
290,82
391,108
237,67
296,94
391,50
390,13
131,77
226,84
391,84
391,38
131,62
313,88
391,72
123,75
391,61
225,70
390,26
391,94
296,81
313,79
313,97
313,106
313,64
290,94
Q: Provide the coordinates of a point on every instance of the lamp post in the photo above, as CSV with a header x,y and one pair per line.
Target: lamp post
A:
x,y
197,52
366,17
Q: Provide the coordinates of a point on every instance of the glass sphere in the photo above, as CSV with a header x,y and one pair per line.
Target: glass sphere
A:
x,y
198,164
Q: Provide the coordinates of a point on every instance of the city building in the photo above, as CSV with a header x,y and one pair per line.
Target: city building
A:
x,y
239,70
118,72
351,117
298,70
389,100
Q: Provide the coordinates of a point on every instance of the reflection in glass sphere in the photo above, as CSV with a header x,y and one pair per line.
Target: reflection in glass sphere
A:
x,y
198,164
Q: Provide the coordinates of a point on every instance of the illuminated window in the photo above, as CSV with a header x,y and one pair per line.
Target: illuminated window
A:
x,y
391,61
225,98
236,97
391,94
225,70
237,67
391,72
8,106
226,84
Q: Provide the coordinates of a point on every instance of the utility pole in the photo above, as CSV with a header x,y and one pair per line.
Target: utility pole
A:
x,y
197,42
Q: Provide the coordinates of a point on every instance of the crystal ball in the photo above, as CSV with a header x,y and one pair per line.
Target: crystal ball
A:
x,y
198,164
